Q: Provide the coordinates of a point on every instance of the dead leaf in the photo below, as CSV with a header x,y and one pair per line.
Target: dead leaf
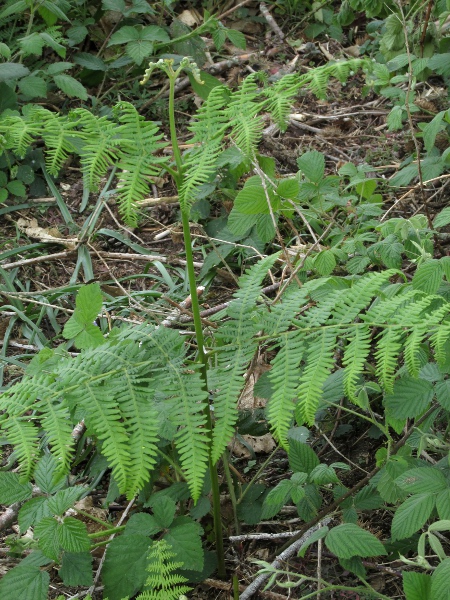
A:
x,y
31,228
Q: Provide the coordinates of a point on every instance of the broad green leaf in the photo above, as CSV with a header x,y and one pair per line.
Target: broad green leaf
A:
x,y
443,525
417,586
59,67
142,524
46,532
394,119
309,505
440,588
44,475
298,491
73,536
90,61
412,515
302,457
265,228
124,35
442,218
32,512
349,540
368,499
33,87
209,82
16,188
76,569
184,537
422,480
163,511
431,130
325,262
445,262
9,70
312,165
276,499
71,87
410,398
443,505
5,51
12,490
237,38
89,302
428,276
240,224
288,188
252,200
323,474
124,578
25,583
138,50
65,499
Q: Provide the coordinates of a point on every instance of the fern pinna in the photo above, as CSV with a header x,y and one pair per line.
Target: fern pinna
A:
x,y
141,384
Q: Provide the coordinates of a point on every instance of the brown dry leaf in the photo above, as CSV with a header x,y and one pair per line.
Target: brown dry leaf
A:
x,y
189,18
31,228
260,445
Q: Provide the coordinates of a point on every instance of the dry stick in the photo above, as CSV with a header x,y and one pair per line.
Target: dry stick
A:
x,y
283,556
145,257
37,259
261,536
223,585
157,201
270,20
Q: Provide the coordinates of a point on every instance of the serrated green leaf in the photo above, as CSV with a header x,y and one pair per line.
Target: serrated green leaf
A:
x,y
421,480
252,200
90,337
16,188
64,499
138,50
12,490
348,540
142,524
71,87
440,590
443,504
289,188
265,228
124,35
323,474
44,475
203,89
302,457
32,512
237,38
46,532
89,302
312,165
240,224
124,578
73,536
72,328
428,276
417,586
33,86
163,510
184,537
315,537
368,499
76,569
410,398
442,218
276,499
26,583
431,130
325,262
412,515
9,70
90,61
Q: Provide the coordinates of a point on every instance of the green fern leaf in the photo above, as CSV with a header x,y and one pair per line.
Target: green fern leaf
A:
x,y
320,361
355,356
284,377
23,435
389,346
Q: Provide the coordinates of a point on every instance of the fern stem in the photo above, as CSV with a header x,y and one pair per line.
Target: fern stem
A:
x,y
195,307
226,468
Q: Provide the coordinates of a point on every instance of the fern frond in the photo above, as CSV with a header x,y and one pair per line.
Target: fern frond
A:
x,y
439,340
355,356
242,113
320,362
138,162
164,584
284,377
56,135
201,167
20,132
100,140
387,353
23,435
57,425
280,96
238,335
